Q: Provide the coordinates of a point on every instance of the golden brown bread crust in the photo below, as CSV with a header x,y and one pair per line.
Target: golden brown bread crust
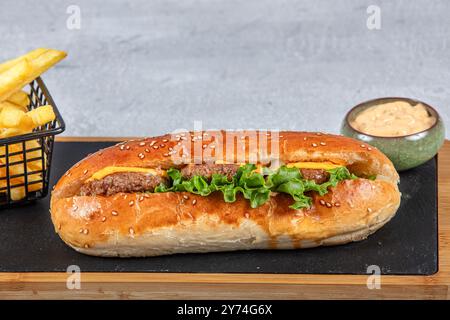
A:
x,y
165,223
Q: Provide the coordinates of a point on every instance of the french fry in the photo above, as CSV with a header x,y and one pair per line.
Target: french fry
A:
x,y
11,132
29,56
16,76
10,117
33,165
12,105
41,115
44,62
20,98
18,193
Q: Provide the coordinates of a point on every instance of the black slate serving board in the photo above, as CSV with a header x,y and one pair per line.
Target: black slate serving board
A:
x,y
408,244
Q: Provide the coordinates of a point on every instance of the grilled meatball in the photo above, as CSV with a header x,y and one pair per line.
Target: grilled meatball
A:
x,y
122,182
207,170
318,175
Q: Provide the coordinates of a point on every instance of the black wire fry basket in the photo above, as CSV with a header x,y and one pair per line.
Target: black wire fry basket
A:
x,y
25,160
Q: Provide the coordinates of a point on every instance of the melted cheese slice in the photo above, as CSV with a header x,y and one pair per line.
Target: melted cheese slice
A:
x,y
110,170
301,165
259,168
313,165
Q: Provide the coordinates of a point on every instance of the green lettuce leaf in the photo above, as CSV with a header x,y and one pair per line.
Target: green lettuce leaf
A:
x,y
256,187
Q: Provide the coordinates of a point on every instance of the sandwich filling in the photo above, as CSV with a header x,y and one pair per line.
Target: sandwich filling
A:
x,y
255,183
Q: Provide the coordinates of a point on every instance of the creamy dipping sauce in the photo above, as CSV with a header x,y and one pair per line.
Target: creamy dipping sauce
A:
x,y
393,119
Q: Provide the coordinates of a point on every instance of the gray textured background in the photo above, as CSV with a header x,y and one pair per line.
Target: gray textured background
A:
x,y
148,67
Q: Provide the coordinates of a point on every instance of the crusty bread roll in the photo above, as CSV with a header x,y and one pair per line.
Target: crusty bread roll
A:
x,y
150,224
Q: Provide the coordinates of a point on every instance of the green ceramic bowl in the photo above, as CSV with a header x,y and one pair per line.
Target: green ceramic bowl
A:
x,y
405,152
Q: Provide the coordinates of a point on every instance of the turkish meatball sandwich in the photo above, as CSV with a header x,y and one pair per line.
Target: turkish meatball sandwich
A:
x,y
183,193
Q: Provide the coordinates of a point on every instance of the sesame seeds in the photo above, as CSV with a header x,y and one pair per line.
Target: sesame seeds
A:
x,y
155,147
103,219
165,140
141,156
141,198
59,226
204,146
319,133
114,213
247,215
131,231
337,204
314,145
162,145
85,171
185,197
165,154
147,150
122,147
194,202
305,138
369,148
369,210
86,246
74,207
363,146
127,147
323,144
131,203
327,204
142,144
152,143
85,231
